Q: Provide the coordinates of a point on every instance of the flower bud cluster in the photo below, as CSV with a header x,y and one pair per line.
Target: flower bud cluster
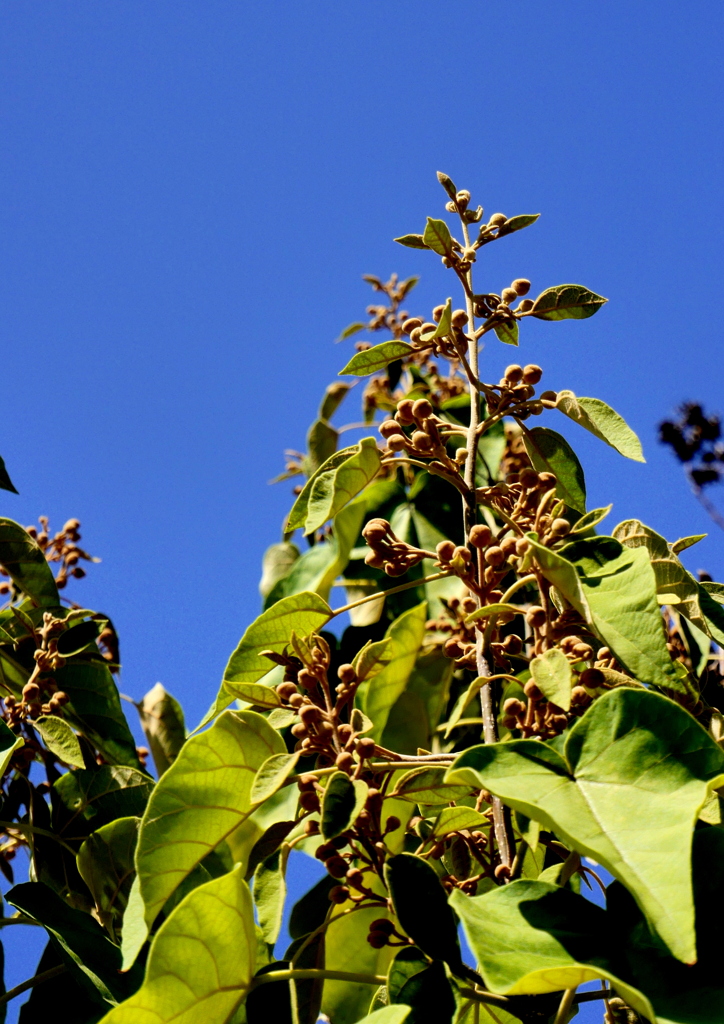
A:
x,y
387,551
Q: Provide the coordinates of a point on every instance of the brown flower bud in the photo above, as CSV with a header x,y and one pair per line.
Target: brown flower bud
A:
x,y
513,706
309,714
508,545
496,220
532,690
355,878
502,871
480,536
525,305
528,477
388,428
404,414
421,441
535,616
459,318
309,801
547,480
513,644
31,691
365,747
299,730
421,409
397,443
548,396
338,894
509,295
344,761
495,556
347,674
592,678
377,940
411,323
513,374
583,651
445,550
453,649
532,373
296,700
286,690
336,866
521,286
437,313
560,528
579,695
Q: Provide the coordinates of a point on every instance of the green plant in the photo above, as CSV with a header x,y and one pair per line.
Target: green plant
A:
x,y
516,697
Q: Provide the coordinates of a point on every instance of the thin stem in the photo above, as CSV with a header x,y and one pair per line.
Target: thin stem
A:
x,y
381,594
564,1008
483,997
32,830
518,585
588,997
313,973
711,510
38,979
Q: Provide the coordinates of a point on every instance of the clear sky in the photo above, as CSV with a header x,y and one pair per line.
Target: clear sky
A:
x,y
190,191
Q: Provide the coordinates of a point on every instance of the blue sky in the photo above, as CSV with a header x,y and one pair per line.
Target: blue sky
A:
x,y
190,191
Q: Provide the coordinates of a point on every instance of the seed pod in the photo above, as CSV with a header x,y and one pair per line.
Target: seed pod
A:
x,y
525,305
388,428
535,616
532,373
509,295
421,409
445,550
513,373
411,323
521,286
495,556
480,536
592,678
459,318
347,674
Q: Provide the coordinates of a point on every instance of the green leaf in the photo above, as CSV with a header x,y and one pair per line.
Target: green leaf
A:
x,y
372,658
561,573
494,609
202,798
551,672
353,329
636,772
334,489
23,559
387,1015
9,743
448,184
5,481
508,332
452,819
377,696
298,514
321,445
162,720
437,237
687,542
276,564
603,422
444,326
342,801
269,894
304,613
412,241
522,220
681,994
590,520
530,938
105,863
625,612
133,926
60,739
347,949
201,961
376,358
95,709
89,798
271,775
78,938
421,907
77,638
673,582
567,302
428,786
334,395
551,453
422,986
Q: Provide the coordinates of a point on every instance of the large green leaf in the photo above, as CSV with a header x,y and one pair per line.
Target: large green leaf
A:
x,y
561,573
421,907
428,786
95,709
201,960
162,720
78,938
201,799
347,949
105,862
635,773
551,672
421,985
674,585
89,798
304,613
378,695
437,237
601,420
531,937
335,488
387,1014
373,359
681,994
269,894
22,557
621,597
567,302
551,453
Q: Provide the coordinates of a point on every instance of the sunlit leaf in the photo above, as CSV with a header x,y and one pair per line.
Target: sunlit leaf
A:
x,y
551,672
551,453
23,559
567,302
60,739
379,694
602,421
437,237
162,719
334,489
376,358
